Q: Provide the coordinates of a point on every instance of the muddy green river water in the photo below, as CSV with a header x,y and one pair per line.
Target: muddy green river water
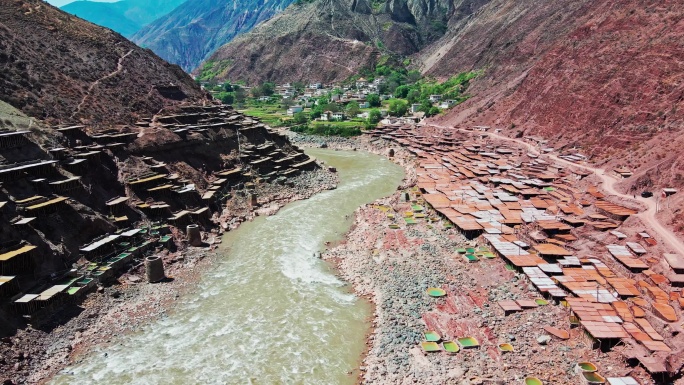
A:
x,y
268,312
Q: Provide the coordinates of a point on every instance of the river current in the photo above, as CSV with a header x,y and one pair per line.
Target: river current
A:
x,y
269,311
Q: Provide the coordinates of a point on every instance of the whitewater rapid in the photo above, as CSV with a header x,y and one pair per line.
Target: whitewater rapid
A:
x,y
269,311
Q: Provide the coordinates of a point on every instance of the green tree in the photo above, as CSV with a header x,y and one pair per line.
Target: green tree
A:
x,y
425,106
413,96
374,116
333,107
226,97
413,76
382,70
227,87
268,88
398,107
240,94
402,92
300,118
433,111
299,86
353,109
257,92
373,100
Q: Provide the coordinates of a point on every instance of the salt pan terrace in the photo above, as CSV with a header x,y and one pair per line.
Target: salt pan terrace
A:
x,y
538,216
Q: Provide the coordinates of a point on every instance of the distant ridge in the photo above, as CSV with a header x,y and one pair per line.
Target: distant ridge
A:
x,y
125,17
194,30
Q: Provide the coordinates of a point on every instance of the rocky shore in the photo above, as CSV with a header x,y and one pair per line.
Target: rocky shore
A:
x,y
35,354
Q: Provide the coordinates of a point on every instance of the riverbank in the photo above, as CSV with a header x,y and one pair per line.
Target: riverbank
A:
x,y
34,355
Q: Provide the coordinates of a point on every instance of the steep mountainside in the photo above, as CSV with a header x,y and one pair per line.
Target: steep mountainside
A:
x,y
604,77
607,77
190,33
57,67
329,40
126,17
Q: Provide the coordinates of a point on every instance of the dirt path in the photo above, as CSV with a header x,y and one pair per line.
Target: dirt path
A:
x,y
608,185
119,68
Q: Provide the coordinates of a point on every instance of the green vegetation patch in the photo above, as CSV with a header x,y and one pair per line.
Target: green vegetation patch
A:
x,y
336,129
212,69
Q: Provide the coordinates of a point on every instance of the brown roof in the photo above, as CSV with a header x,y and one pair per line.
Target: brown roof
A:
x,y
606,330
614,209
551,249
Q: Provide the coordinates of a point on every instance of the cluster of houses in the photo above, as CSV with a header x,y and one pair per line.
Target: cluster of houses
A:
x,y
356,92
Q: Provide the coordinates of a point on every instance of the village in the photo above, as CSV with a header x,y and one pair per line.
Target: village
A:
x,y
358,103
601,295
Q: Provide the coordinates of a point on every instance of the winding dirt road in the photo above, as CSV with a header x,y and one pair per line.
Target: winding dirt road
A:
x,y
648,217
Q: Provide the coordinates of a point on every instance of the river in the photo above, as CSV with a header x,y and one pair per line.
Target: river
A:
x,y
268,312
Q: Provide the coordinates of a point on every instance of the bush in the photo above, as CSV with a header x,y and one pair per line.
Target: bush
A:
x,y
327,130
373,100
374,116
300,118
398,108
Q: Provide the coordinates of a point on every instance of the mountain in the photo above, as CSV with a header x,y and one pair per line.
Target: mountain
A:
x,y
328,40
190,33
126,17
602,77
58,67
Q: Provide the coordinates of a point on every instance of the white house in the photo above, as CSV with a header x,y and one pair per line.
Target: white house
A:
x,y
326,116
435,98
264,98
361,83
294,109
338,116
447,104
315,86
364,105
415,108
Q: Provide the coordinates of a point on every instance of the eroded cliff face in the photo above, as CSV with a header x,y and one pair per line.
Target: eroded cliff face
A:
x,y
330,40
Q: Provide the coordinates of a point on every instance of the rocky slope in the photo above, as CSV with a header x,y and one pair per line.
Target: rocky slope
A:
x,y
190,33
57,67
328,40
126,17
606,77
